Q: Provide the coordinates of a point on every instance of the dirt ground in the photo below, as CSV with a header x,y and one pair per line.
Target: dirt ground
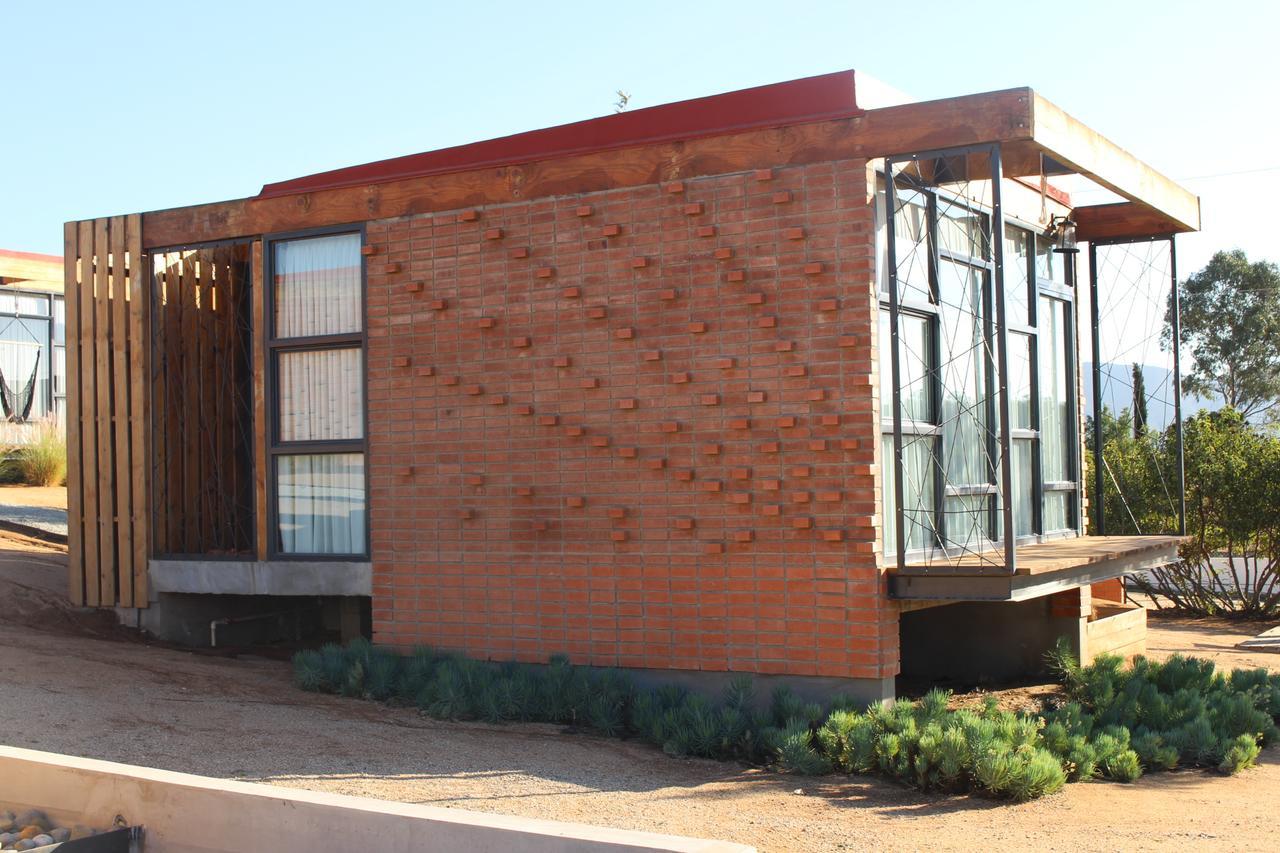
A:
x,y
76,685
54,497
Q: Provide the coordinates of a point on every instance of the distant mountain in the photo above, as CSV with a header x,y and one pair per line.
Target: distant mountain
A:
x,y
1117,388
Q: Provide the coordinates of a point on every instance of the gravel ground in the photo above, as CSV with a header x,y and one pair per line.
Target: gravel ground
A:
x,y
80,687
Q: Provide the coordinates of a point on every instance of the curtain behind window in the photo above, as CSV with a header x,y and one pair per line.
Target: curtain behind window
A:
x,y
317,286
321,503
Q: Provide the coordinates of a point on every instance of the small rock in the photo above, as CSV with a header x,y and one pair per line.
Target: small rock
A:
x,y
8,838
60,834
24,844
30,830
42,839
799,791
33,817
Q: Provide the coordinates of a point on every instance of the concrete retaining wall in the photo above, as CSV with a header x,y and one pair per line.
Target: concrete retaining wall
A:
x,y
183,813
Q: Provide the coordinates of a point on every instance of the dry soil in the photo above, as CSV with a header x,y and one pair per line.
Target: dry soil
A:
x,y
75,685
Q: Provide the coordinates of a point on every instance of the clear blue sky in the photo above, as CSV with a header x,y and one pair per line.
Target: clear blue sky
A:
x,y
119,107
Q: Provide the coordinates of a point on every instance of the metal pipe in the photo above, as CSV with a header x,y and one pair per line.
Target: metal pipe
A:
x,y
1176,323
1101,527
1002,364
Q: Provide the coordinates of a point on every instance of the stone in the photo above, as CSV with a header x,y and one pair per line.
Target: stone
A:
x,y
25,844
33,817
31,830
8,838
42,839
60,834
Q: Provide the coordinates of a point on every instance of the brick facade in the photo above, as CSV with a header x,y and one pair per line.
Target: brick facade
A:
x,y
636,427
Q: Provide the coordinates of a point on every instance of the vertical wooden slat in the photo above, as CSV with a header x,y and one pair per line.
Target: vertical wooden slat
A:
x,y
258,292
88,421
175,370
75,466
190,405
102,413
156,285
139,382
122,476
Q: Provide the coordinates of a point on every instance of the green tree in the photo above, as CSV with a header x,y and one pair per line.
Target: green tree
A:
x,y
1139,402
1230,316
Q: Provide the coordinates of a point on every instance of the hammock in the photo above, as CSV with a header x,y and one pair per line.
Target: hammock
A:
x,y
17,404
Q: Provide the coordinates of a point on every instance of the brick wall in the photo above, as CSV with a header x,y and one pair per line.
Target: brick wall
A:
x,y
635,427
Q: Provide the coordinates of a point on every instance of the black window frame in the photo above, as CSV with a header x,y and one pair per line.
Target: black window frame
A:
x,y
273,347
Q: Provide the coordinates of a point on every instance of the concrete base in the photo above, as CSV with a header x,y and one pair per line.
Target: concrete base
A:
x,y
984,642
182,813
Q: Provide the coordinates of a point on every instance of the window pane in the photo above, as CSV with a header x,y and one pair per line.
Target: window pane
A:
x,y
1022,481
918,492
961,230
1020,380
320,395
914,347
1017,275
1057,510
317,286
911,246
1049,264
963,374
321,504
968,523
59,320
1055,408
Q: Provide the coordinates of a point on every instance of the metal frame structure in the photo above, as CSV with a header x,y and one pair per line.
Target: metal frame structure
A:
x,y
993,292
1175,316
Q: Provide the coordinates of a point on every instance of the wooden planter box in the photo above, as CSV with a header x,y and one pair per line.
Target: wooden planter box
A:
x,y
1114,628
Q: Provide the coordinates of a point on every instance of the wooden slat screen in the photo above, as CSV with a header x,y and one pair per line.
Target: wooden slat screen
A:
x,y
107,440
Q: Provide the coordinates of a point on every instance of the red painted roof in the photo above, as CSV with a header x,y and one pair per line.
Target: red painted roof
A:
x,y
828,96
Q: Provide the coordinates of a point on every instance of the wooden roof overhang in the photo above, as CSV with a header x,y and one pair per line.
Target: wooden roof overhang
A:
x,y
806,121
1043,568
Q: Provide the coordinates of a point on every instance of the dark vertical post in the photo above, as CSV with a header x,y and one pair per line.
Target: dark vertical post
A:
x,y
891,259
1101,527
1175,313
1002,364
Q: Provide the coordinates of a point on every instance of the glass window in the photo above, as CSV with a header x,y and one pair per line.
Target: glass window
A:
x,y
968,522
911,244
914,356
917,489
962,230
1055,408
317,286
1018,286
963,373
59,320
320,394
1050,265
320,503
1020,414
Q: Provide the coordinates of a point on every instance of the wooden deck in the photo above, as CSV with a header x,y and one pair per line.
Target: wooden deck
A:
x,y
1053,556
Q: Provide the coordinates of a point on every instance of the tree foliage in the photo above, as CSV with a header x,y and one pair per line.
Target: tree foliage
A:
x,y
1230,320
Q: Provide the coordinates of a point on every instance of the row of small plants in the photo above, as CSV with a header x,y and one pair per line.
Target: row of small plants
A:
x,y
1112,722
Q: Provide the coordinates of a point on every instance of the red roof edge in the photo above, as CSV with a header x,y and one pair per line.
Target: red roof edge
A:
x,y
810,99
30,256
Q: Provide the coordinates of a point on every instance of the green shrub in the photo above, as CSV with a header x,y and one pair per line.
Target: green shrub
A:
x,y
43,461
1115,721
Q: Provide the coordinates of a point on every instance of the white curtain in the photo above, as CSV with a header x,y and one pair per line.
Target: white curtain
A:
x,y
321,503
321,395
317,286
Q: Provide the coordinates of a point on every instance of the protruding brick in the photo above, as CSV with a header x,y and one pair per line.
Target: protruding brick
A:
x,y
793,233
599,441
627,403
589,382
468,216
618,535
770,447
763,174
520,252
756,396
391,268
474,390
801,497
544,272
709,399
706,231
739,497
438,304
611,230
616,512
427,371
449,380
795,370
493,234
548,420
803,522
668,294
571,293
652,355
784,346
562,361
830,497
486,323
767,322
523,409
639,263
739,423
712,485
684,523
684,474
626,333
404,471
694,209
743,536
771,485
740,473
475,479
786,421
597,312
723,253
573,430
813,268
712,548
368,249
817,445
466,514
670,426
815,395
849,341
524,491
829,305
414,287
711,449
830,420
675,187
680,378
799,471
735,275
400,361
575,501
724,363
498,400
627,452
756,298
520,342
782,197
657,462
771,509
583,210
697,328
834,535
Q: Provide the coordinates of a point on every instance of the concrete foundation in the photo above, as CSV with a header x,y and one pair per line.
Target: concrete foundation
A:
x,y
242,620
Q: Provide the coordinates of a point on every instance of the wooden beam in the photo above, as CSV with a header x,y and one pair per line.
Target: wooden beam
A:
x,y
1090,154
18,266
86,420
75,464
118,415
258,293
971,119
139,404
1126,219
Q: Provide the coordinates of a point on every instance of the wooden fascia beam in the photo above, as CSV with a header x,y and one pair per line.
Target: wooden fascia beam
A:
x,y
951,122
1086,151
